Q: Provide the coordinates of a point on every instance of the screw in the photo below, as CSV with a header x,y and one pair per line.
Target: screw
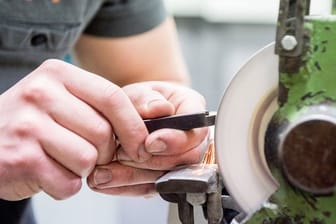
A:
x,y
288,42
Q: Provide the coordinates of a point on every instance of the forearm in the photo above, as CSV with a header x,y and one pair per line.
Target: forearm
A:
x,y
154,55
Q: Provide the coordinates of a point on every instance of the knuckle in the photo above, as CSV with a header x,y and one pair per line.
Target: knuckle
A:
x,y
51,67
20,162
36,91
138,132
26,126
111,93
87,160
69,189
23,163
102,132
38,87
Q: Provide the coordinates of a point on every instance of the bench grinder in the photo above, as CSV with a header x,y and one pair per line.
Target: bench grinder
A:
x,y
275,133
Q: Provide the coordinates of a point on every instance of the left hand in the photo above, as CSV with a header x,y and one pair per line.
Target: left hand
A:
x,y
169,147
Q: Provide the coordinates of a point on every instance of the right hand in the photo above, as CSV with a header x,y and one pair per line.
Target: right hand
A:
x,y
56,124
169,147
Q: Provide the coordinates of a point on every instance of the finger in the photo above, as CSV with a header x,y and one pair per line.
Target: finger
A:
x,y
73,114
174,142
67,148
167,141
55,180
185,100
132,190
117,175
164,163
149,103
108,99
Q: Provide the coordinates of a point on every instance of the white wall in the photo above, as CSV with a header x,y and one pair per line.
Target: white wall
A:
x,y
237,11
88,207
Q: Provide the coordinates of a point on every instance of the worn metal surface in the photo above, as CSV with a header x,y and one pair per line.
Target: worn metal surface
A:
x,y
194,185
308,82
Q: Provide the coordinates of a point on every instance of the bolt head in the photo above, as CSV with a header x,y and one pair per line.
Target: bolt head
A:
x,y
289,42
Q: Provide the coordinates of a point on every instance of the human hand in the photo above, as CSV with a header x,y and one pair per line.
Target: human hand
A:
x,y
56,124
169,147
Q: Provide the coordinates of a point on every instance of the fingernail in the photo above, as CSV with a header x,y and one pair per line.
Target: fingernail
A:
x,y
143,154
157,146
102,176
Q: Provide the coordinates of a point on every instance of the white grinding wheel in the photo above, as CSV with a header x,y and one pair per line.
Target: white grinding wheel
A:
x,y
245,109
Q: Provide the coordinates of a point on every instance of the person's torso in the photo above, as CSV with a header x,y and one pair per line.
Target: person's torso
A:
x,y
32,31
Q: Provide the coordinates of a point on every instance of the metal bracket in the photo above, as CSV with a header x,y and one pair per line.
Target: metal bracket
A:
x,y
290,28
194,185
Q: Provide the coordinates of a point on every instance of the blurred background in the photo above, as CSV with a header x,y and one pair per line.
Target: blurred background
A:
x,y
217,37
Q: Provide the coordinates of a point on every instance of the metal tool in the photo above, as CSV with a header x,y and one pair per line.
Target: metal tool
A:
x,y
182,121
193,185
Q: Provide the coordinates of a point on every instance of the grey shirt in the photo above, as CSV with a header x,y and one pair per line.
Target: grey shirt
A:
x,y
34,30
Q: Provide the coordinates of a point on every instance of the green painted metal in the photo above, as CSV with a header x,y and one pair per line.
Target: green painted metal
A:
x,y
313,83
